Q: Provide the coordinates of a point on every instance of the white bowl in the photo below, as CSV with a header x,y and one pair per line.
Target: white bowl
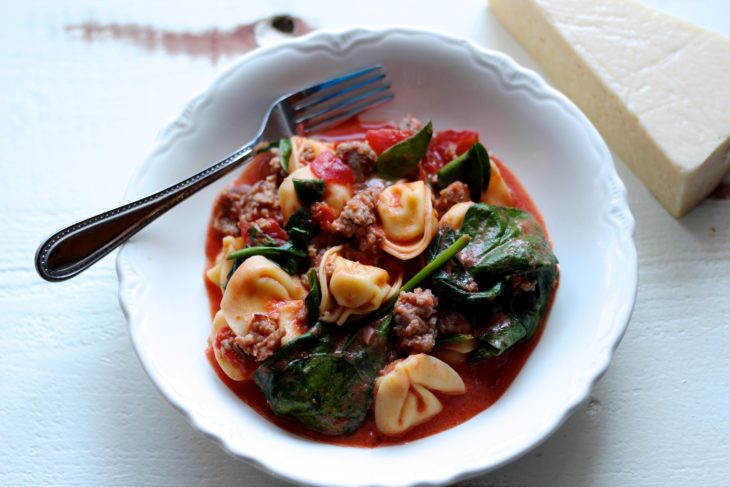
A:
x,y
547,142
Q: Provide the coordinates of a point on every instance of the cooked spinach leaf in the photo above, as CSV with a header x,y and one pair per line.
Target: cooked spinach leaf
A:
x,y
308,190
403,158
452,282
505,241
300,228
472,168
329,391
285,150
314,297
288,256
507,271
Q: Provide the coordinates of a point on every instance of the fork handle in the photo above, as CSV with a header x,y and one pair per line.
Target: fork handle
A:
x,y
76,248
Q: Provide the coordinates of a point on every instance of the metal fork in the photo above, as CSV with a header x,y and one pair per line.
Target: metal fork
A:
x,y
75,248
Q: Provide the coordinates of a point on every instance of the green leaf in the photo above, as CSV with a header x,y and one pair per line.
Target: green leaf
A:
x,y
451,281
508,248
300,228
403,158
504,241
285,150
326,390
472,168
314,297
308,190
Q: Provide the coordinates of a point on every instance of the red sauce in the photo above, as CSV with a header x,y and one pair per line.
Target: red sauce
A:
x,y
485,381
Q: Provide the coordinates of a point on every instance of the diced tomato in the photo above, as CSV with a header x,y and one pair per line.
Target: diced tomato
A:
x,y
323,215
445,146
329,167
382,139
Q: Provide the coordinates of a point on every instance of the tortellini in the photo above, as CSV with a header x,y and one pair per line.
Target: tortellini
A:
x,y
403,396
305,150
221,342
335,195
497,193
408,218
351,288
257,286
454,217
218,274
457,350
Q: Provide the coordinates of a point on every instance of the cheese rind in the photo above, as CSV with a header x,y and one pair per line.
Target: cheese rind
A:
x,y
656,87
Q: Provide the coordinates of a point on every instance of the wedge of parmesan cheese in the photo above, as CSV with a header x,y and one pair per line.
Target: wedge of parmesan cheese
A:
x,y
656,87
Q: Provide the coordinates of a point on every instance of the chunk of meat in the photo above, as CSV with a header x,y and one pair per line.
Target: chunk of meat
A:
x,y
240,205
415,318
227,210
358,215
451,322
410,123
456,192
263,339
273,166
359,156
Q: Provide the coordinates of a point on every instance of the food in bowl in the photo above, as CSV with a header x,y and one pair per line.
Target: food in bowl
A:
x,y
377,283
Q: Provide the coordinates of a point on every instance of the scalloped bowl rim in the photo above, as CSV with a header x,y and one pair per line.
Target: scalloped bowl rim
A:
x,y
617,215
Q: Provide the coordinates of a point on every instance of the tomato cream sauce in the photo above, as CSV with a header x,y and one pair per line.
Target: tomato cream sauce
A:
x,y
485,381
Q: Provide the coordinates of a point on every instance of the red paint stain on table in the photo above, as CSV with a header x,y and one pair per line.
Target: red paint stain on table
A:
x,y
212,43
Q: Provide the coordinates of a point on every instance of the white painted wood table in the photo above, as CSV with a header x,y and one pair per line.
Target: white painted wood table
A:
x,y
81,102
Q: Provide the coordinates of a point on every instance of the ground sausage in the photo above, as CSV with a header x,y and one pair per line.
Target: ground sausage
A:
x,y
357,220
415,321
411,123
456,192
242,204
359,156
263,339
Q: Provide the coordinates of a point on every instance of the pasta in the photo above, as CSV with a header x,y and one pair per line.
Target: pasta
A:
x,y
455,216
336,195
352,288
255,287
220,338
304,151
403,397
409,221
497,193
218,274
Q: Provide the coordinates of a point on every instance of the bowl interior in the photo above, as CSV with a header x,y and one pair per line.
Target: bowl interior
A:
x,y
544,139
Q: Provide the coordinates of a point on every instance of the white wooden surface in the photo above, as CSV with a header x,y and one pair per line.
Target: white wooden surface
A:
x,y
76,408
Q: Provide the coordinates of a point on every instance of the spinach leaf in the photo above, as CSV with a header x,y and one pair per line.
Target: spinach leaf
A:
x,y
504,241
451,283
287,256
326,390
508,248
285,151
472,168
403,158
300,228
314,298
308,190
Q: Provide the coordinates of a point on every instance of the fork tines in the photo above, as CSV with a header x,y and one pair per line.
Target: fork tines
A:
x,y
326,104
